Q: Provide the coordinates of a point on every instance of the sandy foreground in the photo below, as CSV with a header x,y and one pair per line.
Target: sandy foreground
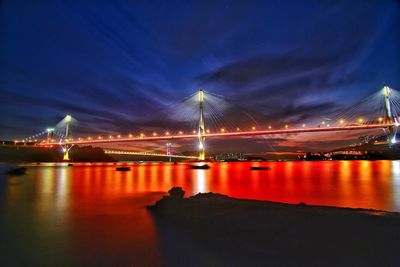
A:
x,y
216,230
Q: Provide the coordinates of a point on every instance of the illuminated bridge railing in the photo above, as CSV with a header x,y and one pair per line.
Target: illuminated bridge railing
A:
x,y
118,152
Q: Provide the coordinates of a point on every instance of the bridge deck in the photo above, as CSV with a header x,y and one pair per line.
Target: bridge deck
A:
x,y
226,134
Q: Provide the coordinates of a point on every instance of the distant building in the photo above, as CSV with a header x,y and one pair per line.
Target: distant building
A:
x,y
230,157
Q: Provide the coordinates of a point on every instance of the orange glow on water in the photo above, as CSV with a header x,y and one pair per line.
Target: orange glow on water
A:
x,y
95,213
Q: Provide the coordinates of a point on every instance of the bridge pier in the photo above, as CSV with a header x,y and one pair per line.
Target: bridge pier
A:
x,y
65,154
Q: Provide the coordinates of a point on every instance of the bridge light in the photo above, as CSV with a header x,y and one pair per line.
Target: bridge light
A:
x,y
323,122
380,119
110,137
89,138
130,135
79,139
238,129
99,137
180,132
360,120
68,118
201,146
208,130
194,131
119,136
328,125
222,130
253,128
386,91
341,121
269,127
201,95
303,125
166,133
154,134
141,135
286,126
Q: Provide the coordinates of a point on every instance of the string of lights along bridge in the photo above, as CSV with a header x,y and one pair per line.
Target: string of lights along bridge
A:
x,y
204,115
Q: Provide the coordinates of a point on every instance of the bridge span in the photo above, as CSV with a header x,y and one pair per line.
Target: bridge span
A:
x,y
91,140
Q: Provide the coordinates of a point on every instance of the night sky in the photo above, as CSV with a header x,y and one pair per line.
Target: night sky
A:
x,y
111,64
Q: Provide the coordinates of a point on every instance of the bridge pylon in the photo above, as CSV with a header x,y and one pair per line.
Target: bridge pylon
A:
x,y
201,130
169,145
66,147
389,117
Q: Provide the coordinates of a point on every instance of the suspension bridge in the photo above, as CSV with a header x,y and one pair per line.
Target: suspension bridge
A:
x,y
202,115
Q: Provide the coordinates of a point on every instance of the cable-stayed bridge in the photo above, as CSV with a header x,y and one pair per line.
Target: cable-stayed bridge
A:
x,y
205,115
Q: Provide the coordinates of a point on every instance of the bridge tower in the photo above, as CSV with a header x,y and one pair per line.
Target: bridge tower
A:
x,y
49,132
201,131
389,119
68,136
169,146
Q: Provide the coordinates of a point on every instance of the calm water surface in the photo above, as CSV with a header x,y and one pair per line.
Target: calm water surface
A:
x,y
90,214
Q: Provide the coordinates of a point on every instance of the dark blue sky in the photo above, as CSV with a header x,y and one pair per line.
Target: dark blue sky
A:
x,y
111,64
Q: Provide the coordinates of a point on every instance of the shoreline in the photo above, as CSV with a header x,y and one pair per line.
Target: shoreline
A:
x,y
239,232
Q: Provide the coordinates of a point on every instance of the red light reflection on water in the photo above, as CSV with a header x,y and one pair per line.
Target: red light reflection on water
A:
x,y
97,214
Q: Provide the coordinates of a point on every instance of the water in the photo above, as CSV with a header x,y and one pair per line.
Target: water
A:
x,y
90,214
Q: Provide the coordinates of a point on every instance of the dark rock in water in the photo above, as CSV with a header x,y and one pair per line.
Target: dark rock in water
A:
x,y
17,171
123,168
199,167
70,164
177,192
241,232
175,197
256,168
